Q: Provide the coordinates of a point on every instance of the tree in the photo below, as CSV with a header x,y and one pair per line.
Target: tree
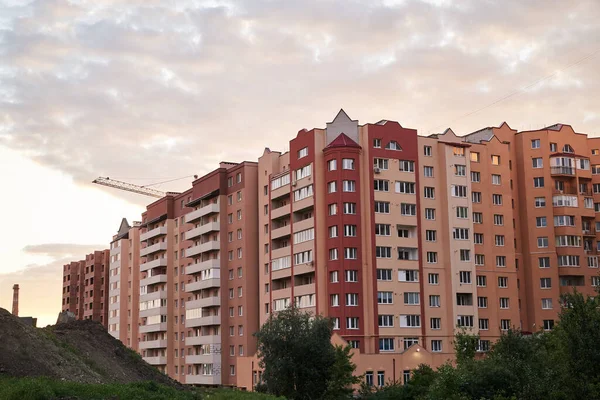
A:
x,y
298,360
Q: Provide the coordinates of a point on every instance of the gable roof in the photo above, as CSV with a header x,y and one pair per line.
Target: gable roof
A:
x,y
342,141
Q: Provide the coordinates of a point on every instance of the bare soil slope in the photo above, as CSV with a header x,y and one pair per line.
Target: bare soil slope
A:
x,y
79,351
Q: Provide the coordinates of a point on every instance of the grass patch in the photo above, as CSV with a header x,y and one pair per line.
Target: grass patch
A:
x,y
49,389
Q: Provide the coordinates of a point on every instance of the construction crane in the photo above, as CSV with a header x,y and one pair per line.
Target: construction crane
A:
x,y
129,187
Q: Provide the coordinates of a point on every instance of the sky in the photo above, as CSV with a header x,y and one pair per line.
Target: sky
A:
x,y
149,90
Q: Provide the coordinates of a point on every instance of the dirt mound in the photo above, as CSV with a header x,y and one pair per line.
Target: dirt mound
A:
x,y
79,351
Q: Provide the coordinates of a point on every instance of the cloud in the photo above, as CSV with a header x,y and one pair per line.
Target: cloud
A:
x,y
62,250
157,89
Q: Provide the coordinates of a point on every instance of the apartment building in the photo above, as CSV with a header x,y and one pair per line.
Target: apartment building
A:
x,y
198,288
85,287
124,284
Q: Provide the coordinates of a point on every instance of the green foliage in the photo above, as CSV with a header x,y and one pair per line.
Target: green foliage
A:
x,y
46,389
558,365
298,359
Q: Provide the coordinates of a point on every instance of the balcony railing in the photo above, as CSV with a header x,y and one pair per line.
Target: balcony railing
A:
x,y
562,170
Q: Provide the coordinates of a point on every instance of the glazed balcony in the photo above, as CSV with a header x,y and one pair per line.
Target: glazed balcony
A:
x,y
562,171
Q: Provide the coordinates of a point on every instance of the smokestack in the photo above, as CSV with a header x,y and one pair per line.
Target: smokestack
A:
x,y
15,308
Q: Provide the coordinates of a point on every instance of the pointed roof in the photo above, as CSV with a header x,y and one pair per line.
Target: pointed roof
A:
x,y
342,141
123,229
341,115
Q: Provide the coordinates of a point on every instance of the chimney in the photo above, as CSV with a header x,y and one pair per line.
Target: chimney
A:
x,y
15,308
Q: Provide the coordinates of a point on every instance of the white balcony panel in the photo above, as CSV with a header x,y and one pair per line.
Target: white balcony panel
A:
x,y
159,262
153,311
159,294
203,321
214,359
202,266
204,284
203,379
201,212
162,246
211,301
159,360
201,230
200,340
153,344
161,230
161,278
202,248
162,327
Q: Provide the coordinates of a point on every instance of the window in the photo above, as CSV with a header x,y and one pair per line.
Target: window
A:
x,y
303,193
352,323
332,165
303,172
382,207
406,166
408,209
460,170
497,199
475,177
349,186
334,300
352,299
430,213
484,324
433,279
542,242
537,162
504,324
428,172
333,254
429,192
381,185
386,344
385,298
481,281
405,187
540,222
502,282
465,321
568,149
427,151
304,235
465,255
382,230
538,182
540,202
393,145
479,260
350,253
504,303
384,274
303,152
545,283
435,323
548,324
377,143
331,187
383,252
303,257
434,300
595,152
474,156
458,191
411,298
553,147
381,163
369,374
349,208
333,231
482,302
465,277
430,235
495,160
498,219
496,179
408,275
347,163
458,151
477,218
410,321
333,277
333,209
499,240
595,281
460,233
351,275
476,197
349,230
535,144
544,262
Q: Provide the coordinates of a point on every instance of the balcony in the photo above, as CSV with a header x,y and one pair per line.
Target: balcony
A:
x,y
161,230
564,171
159,294
162,327
203,359
280,211
281,232
202,266
202,248
159,262
203,321
589,232
203,379
115,250
162,246
201,230
161,278
200,340
201,212
158,360
153,344
211,301
281,252
203,284
153,311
